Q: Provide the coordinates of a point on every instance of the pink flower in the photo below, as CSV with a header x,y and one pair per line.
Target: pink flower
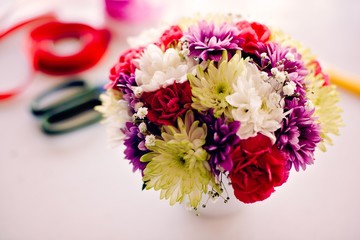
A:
x,y
319,71
252,33
170,36
258,168
125,65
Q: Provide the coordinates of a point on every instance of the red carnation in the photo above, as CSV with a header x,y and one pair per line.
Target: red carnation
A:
x,y
125,64
319,71
171,36
252,33
166,104
258,168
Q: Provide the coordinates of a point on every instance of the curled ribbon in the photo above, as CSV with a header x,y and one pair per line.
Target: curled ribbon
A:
x,y
94,43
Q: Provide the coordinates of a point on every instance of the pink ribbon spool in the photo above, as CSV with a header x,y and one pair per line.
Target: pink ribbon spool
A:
x,y
117,8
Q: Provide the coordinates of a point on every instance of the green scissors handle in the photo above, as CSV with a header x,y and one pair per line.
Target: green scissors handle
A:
x,y
69,113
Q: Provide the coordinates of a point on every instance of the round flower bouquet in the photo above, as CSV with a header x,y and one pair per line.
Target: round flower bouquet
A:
x,y
215,99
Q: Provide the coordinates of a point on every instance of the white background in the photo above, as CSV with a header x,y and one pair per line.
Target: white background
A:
x,y
75,187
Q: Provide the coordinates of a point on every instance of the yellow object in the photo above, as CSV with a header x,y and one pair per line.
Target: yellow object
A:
x,y
349,83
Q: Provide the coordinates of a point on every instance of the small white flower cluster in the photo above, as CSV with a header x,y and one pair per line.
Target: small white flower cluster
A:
x,y
141,113
185,48
142,127
278,75
289,88
280,79
150,140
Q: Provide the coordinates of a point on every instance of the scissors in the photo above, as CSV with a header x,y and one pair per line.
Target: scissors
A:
x,y
72,109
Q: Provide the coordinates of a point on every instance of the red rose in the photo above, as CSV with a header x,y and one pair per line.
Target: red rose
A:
x,y
171,36
166,104
252,33
125,64
258,168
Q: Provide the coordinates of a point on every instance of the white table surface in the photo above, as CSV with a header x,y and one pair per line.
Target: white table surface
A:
x,y
74,187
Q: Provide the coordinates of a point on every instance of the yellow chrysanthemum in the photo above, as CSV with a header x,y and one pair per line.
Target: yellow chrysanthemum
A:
x,y
177,164
325,99
217,19
210,87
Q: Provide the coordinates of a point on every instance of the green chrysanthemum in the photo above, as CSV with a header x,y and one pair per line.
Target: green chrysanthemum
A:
x,y
328,114
324,98
211,86
177,165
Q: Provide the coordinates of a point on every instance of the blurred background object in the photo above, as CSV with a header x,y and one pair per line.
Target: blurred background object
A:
x,y
67,107
132,10
73,187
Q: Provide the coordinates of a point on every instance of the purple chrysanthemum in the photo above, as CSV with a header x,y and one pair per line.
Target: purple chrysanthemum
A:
x,y
277,58
207,41
220,139
125,84
298,135
134,146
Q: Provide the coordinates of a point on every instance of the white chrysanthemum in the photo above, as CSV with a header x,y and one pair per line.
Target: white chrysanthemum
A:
x,y
256,105
158,69
115,112
146,37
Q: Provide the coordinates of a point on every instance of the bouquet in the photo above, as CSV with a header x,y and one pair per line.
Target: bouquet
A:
x,y
219,100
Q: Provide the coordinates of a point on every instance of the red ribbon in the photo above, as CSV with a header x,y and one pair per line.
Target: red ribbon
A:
x,y
10,93
94,44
